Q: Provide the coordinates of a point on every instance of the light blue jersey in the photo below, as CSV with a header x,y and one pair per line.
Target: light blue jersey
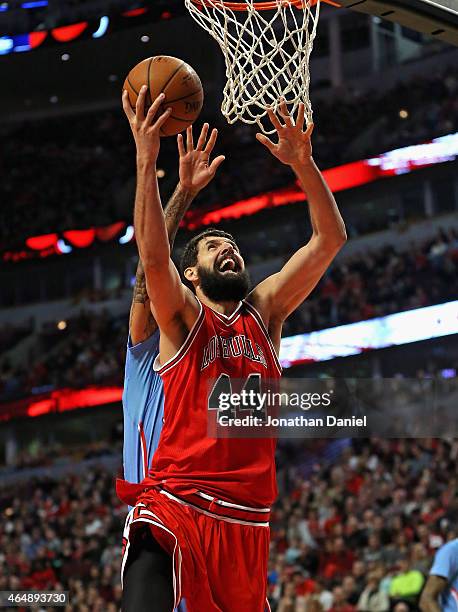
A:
x,y
446,565
143,406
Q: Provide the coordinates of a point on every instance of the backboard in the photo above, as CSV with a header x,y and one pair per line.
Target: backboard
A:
x,y
438,18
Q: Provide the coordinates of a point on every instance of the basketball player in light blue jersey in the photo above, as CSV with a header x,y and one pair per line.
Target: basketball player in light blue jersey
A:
x,y
143,397
441,589
143,400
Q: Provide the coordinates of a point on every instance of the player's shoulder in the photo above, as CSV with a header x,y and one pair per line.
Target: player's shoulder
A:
x,y
450,548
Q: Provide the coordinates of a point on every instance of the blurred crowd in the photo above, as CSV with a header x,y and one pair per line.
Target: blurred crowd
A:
x,y
357,533
409,113
91,348
380,283
11,334
361,534
64,535
55,178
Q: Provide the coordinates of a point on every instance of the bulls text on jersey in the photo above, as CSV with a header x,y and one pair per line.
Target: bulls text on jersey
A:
x,y
232,347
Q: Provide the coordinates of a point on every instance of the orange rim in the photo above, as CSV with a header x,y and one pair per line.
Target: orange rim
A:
x,y
242,6
259,6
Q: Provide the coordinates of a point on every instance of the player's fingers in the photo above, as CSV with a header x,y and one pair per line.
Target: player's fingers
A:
x,y
140,104
181,149
265,141
126,105
162,119
153,109
202,137
216,163
274,119
309,130
189,139
285,113
300,116
211,141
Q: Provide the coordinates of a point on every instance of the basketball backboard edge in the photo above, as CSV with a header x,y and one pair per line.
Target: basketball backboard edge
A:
x,y
438,18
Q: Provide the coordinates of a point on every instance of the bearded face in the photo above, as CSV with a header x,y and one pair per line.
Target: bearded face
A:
x,y
221,271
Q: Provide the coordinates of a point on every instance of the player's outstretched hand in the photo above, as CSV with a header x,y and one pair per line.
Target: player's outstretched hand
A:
x,y
294,146
145,127
196,171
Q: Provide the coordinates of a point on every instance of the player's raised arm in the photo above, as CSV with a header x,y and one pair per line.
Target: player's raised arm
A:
x,y
173,305
280,294
141,322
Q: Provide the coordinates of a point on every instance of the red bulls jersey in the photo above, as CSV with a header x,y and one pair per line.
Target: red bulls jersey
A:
x,y
187,460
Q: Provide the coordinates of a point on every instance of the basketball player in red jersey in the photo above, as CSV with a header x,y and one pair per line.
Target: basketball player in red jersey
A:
x,y
206,501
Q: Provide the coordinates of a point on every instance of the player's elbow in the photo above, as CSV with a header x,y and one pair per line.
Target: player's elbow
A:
x,y
332,243
341,238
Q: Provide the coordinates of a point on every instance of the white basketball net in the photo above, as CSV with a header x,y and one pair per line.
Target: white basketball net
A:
x,y
266,53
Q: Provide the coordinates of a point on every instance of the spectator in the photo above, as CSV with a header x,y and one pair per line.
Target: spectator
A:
x,y
407,583
64,532
340,603
372,599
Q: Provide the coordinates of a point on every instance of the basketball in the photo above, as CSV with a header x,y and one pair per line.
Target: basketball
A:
x,y
177,80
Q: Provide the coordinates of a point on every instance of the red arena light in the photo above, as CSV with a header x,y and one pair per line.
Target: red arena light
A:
x,y
37,243
135,12
107,233
66,33
37,38
80,238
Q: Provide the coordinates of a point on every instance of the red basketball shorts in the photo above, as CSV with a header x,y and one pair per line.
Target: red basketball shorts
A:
x,y
219,550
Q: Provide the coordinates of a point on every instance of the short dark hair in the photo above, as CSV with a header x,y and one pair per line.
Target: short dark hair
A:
x,y
189,256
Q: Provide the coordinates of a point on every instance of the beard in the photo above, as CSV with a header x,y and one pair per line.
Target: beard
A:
x,y
220,287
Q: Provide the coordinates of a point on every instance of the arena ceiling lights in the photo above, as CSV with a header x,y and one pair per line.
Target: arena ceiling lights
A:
x,y
24,26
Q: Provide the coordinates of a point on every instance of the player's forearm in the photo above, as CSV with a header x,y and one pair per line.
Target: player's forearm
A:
x,y
327,222
140,293
429,604
141,321
149,222
175,211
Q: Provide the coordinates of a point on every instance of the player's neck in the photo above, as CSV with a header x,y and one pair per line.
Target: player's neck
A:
x,y
225,308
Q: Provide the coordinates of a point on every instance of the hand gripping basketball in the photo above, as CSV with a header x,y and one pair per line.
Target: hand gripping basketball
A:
x,y
145,128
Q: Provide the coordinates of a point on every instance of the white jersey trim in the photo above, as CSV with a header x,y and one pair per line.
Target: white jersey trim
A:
x,y
221,502
216,516
176,562
257,317
227,319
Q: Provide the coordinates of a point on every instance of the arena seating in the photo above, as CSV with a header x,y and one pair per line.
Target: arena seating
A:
x,y
88,165
345,534
91,349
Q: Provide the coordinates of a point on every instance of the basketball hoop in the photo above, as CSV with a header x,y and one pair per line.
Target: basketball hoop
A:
x,y
243,6
266,47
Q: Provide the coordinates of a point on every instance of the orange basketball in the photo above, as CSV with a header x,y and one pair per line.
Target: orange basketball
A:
x,y
177,80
